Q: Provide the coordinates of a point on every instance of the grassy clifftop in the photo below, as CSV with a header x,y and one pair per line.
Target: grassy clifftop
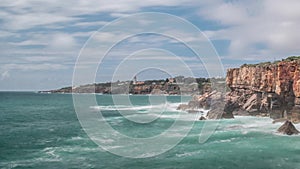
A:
x,y
288,59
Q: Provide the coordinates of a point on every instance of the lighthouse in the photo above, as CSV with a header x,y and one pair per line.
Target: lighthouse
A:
x,y
134,80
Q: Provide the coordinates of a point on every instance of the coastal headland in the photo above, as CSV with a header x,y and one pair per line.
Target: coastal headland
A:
x,y
179,85
264,89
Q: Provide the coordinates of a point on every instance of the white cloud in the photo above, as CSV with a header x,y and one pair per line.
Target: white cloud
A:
x,y
257,28
226,13
5,75
35,35
26,14
87,24
33,67
62,41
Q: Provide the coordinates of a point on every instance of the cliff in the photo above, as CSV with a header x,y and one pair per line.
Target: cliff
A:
x,y
267,89
264,89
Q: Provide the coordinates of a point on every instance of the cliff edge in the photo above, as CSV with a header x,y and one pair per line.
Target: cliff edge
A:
x,y
266,89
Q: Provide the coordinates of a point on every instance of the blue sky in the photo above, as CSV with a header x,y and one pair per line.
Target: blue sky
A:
x,y
41,40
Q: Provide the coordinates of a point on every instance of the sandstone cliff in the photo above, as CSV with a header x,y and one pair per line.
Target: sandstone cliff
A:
x,y
268,89
265,89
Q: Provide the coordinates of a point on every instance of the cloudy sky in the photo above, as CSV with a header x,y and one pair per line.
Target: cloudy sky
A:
x,y
40,40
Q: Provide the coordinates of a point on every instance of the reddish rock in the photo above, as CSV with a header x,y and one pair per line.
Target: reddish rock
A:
x,y
266,88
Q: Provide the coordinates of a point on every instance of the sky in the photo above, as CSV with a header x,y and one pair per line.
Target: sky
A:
x,y
41,40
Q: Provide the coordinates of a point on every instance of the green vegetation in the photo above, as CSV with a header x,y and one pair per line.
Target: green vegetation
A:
x,y
257,64
291,58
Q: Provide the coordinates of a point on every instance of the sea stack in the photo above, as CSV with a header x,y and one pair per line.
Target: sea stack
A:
x,y
288,128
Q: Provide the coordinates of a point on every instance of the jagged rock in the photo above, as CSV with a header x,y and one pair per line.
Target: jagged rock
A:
x,y
192,111
188,108
266,89
219,109
230,106
197,102
215,101
288,128
219,113
250,103
193,104
216,113
183,107
202,118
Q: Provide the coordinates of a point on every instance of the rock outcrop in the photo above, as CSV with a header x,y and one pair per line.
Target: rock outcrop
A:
x,y
202,118
213,101
288,128
266,89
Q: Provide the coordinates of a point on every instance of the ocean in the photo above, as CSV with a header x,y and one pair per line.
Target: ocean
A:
x,y
43,131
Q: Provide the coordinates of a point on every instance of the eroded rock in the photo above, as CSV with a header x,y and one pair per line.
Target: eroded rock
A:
x,y
214,101
266,89
288,128
202,118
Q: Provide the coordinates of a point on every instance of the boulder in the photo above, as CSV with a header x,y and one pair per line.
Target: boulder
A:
x,y
219,108
288,128
215,101
192,111
202,118
183,107
193,104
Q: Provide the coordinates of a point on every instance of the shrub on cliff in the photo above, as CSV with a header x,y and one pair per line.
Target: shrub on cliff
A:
x,y
291,58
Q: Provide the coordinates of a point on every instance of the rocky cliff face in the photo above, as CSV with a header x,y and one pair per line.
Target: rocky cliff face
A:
x,y
271,89
214,100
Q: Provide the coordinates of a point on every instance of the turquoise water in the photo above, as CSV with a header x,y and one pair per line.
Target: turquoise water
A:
x,y
42,131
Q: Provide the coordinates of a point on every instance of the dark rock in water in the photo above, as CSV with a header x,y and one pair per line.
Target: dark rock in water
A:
x,y
288,128
202,118
230,106
226,115
183,107
219,108
192,111
219,113
193,104
240,112
215,101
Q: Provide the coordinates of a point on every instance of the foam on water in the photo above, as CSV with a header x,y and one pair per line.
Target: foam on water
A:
x,y
42,131
168,107
164,111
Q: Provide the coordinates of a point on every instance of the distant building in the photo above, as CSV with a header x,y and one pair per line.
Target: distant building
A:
x,y
140,83
134,80
171,80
